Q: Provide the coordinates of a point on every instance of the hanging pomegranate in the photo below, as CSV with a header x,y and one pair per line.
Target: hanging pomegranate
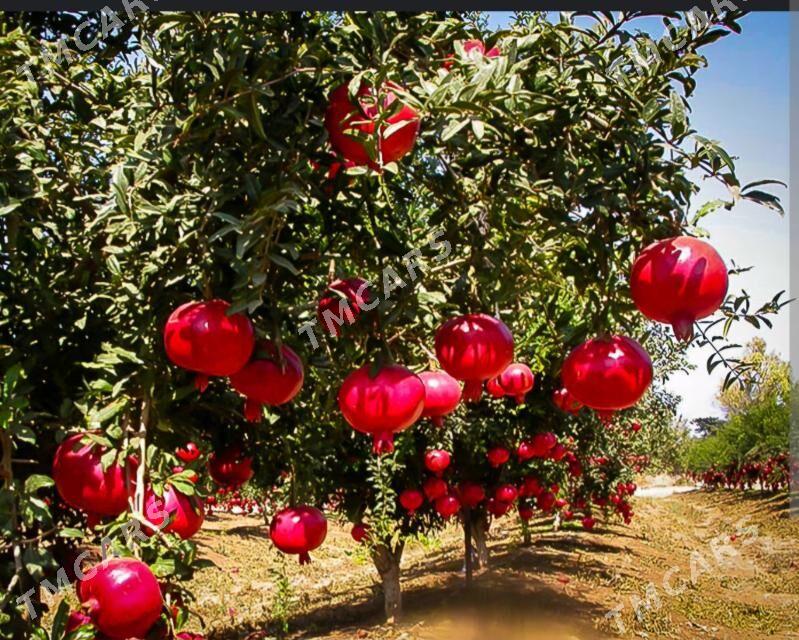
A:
x,y
81,482
411,500
495,389
497,456
359,531
558,452
230,467
608,374
434,488
497,508
298,530
543,443
588,523
474,347
506,493
525,512
678,281
471,494
189,453
517,380
437,461
342,303
545,501
447,506
122,598
265,380
202,337
185,514
352,128
442,393
382,405
525,450
565,401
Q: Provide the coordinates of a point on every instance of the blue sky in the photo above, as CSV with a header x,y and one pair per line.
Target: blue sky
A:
x,y
741,100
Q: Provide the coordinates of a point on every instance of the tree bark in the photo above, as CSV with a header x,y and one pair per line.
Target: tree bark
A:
x,y
387,563
479,533
527,537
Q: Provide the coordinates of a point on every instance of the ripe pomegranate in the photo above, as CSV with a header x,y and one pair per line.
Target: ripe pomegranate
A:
x,y
531,486
588,523
202,337
517,380
437,461
342,303
565,401
495,389
677,281
267,381
442,395
472,49
525,512
382,405
545,501
558,452
82,483
636,427
543,443
411,500
434,488
525,450
298,530
497,456
122,598
359,531
506,493
185,513
230,467
474,347
471,494
608,374
497,508
189,453
349,125
447,506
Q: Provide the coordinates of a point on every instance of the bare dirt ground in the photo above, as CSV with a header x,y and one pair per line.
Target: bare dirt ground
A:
x,y
725,578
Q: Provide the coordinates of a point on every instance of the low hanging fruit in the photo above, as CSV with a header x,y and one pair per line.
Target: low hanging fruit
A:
x,y
497,456
565,401
265,380
506,493
442,395
497,508
447,506
437,461
359,531
230,467
608,374
543,443
189,453
342,302
471,494
526,512
298,530
353,130
411,500
202,337
434,488
81,482
474,347
517,380
183,515
383,404
678,281
545,501
122,598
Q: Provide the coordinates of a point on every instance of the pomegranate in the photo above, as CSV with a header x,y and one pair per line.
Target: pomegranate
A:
x,y
636,427
447,506
360,531
545,501
442,395
497,508
677,281
82,483
558,452
411,500
506,493
497,456
543,443
474,347
494,388
532,487
437,461
565,401
230,467
471,494
434,488
525,450
122,598
588,523
525,512
608,374
342,303
350,125
298,530
382,405
267,381
76,620
202,337
185,513
517,380
189,453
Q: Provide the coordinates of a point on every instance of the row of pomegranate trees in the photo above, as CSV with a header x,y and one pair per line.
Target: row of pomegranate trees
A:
x,y
208,173
772,474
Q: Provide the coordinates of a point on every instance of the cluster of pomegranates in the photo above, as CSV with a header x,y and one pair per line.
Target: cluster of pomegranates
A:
x,y
772,474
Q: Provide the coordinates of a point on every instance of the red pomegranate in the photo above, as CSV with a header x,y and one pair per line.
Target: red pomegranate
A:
x,y
434,488
474,347
473,48
122,598
382,405
525,512
447,506
298,530
636,427
189,453
359,531
608,374
543,443
352,127
558,452
202,337
506,493
82,483
497,456
342,303
495,389
471,494
565,401
267,381
497,508
442,395
230,467
437,461
545,501
411,500
531,487
76,620
677,281
588,523
517,380
185,514
525,450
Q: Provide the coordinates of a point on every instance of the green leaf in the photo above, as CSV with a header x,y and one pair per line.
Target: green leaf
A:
x,y
37,481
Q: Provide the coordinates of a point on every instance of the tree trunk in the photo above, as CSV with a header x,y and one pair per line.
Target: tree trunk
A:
x,y
479,533
387,563
527,537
